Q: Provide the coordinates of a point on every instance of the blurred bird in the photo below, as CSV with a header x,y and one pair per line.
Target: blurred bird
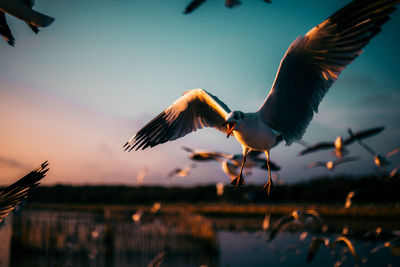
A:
x,y
157,260
392,244
311,65
141,174
194,4
220,189
266,222
394,171
339,144
379,160
373,233
21,9
349,197
12,195
156,207
205,155
137,216
302,217
330,165
230,162
181,172
317,241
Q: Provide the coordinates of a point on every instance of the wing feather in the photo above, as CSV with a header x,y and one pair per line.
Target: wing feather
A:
x,y
314,61
15,193
195,109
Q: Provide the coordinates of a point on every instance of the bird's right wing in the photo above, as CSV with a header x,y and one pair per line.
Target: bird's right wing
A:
x,y
314,62
194,110
15,193
363,134
316,147
5,30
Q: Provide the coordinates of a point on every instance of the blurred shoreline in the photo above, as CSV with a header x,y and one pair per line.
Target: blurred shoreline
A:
x,y
387,211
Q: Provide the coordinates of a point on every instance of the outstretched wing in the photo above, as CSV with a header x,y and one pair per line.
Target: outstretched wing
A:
x,y
348,243
316,164
314,61
282,222
316,147
5,30
347,159
13,195
363,134
392,152
193,5
194,110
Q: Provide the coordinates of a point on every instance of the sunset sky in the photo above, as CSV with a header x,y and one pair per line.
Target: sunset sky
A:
x,y
77,91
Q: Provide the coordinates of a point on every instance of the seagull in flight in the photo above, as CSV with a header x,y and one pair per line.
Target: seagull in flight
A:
x,y
21,9
339,144
330,165
317,241
12,195
310,66
379,160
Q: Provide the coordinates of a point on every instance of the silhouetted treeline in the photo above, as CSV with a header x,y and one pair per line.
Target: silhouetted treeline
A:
x,y
319,190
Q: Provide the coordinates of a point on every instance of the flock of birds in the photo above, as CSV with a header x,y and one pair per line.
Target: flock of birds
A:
x,y
303,221
310,66
230,163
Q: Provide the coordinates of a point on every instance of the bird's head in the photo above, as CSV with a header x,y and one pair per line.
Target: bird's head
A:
x,y
232,121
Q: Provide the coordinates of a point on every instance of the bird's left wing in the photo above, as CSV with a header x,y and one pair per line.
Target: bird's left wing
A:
x,y
314,61
15,193
194,110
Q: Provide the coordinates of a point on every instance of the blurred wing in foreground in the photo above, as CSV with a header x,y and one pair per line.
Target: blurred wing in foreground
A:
x,y
15,193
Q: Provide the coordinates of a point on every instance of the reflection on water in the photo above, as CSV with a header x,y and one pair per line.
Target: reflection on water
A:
x,y
111,238
51,238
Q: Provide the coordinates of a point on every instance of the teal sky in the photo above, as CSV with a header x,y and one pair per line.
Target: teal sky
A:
x,y
74,93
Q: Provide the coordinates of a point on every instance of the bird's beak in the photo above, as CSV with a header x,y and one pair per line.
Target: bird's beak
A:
x,y
230,126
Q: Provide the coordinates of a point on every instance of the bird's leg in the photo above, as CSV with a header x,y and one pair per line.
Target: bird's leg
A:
x,y
268,184
238,181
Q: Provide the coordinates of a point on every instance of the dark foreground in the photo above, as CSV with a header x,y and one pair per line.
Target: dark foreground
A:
x,y
194,235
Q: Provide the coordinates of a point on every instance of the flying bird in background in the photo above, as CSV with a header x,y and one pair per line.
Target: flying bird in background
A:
x,y
317,241
12,195
339,144
21,9
311,65
379,160
330,165
194,4
182,172
296,216
349,198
